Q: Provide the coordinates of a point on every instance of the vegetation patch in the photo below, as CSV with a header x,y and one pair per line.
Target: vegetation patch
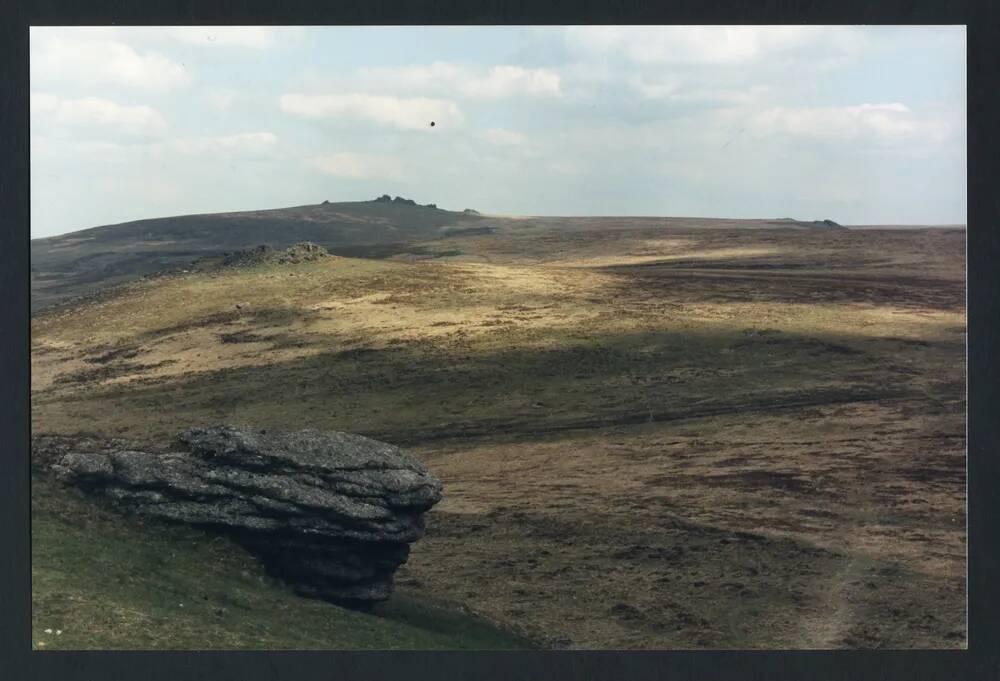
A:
x,y
145,586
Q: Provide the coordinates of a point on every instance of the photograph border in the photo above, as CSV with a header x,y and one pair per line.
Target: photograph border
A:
x,y
980,660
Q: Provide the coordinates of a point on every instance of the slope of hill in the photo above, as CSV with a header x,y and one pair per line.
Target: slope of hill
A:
x,y
663,436
153,586
73,264
88,260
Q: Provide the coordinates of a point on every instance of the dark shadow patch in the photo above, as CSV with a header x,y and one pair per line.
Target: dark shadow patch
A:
x,y
242,337
787,482
263,316
424,392
787,285
217,319
115,355
811,346
467,231
951,474
108,371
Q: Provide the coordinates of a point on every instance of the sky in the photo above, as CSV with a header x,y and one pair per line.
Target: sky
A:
x,y
862,125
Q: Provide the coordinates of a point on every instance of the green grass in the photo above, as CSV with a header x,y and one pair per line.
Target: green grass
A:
x,y
108,581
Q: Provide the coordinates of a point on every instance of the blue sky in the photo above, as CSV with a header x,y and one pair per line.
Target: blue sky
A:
x,y
863,125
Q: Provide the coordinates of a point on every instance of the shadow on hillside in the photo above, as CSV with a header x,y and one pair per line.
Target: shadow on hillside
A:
x,y
425,391
765,281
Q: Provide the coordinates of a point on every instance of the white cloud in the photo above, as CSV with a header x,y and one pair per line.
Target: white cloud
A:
x,y
507,81
458,79
359,166
252,142
436,76
708,44
893,121
661,89
722,96
504,137
409,114
178,149
221,99
131,120
677,90
42,103
159,190
86,58
255,37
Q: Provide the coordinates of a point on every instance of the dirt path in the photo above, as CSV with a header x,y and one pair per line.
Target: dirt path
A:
x,y
835,613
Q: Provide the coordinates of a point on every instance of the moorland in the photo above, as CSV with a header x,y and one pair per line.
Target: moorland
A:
x,y
652,432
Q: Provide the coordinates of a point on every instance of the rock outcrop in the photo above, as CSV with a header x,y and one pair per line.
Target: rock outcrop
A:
x,y
332,514
400,201
814,224
305,251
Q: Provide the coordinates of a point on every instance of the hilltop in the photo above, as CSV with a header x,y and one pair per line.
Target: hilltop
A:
x,y
74,264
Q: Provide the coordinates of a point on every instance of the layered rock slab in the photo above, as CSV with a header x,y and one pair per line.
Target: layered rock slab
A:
x,y
333,514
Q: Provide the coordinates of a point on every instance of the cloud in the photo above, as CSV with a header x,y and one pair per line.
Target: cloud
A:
x,y
661,89
507,81
254,37
252,142
504,137
130,120
567,167
708,44
496,82
893,121
221,99
408,114
676,90
721,96
158,151
86,58
42,103
359,166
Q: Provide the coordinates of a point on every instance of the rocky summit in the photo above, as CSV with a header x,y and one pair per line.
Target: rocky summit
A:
x,y
332,514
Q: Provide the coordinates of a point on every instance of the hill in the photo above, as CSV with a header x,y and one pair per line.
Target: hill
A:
x,y
88,260
72,264
652,433
209,595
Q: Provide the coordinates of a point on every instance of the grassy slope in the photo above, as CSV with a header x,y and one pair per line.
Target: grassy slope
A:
x,y
83,261
75,263
414,351
108,582
503,356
